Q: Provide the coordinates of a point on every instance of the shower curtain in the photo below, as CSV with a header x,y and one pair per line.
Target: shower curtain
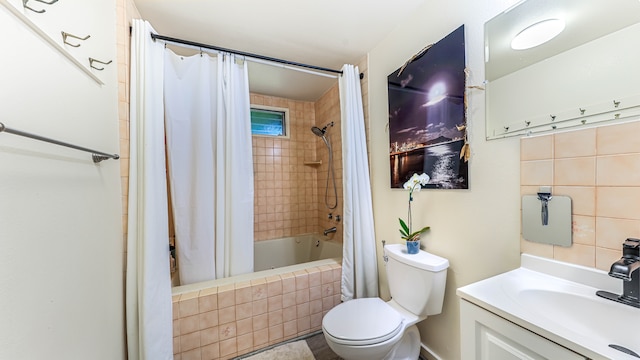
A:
x,y
207,114
148,284
359,264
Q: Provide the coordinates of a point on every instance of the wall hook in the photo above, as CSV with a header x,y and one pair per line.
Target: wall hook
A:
x,y
616,116
527,123
24,4
553,117
616,103
583,121
582,111
92,60
65,35
554,127
506,128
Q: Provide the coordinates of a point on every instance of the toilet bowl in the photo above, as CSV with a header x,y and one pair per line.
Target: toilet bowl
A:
x,y
371,329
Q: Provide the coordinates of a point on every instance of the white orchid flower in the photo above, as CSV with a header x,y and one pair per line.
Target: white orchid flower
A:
x,y
415,180
424,179
415,183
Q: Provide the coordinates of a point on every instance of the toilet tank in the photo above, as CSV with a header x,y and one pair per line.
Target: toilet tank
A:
x,y
416,281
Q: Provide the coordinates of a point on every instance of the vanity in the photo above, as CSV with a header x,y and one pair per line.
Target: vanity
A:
x,y
547,309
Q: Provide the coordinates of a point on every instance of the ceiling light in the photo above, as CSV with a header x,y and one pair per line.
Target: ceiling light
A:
x,y
536,34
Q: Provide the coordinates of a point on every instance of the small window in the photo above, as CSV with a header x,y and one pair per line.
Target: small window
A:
x,y
269,121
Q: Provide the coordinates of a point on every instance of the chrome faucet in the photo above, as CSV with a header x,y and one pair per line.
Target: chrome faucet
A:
x,y
628,270
329,231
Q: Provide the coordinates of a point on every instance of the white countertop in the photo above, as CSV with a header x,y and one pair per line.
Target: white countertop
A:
x,y
557,301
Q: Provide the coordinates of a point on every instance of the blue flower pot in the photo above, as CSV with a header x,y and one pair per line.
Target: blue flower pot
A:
x,y
413,247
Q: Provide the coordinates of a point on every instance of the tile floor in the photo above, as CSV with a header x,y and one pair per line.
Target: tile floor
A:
x,y
318,346
316,343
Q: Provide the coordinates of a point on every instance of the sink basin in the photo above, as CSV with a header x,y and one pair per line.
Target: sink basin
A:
x,y
592,316
558,301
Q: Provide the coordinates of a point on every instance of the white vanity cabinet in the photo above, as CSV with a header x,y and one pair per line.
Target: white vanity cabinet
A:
x,y
486,336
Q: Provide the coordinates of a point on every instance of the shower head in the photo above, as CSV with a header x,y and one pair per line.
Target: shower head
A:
x,y
320,132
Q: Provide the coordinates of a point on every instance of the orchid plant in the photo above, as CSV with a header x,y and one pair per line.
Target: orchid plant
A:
x,y
413,184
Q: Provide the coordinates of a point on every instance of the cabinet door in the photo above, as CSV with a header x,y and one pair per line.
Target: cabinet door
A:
x,y
486,336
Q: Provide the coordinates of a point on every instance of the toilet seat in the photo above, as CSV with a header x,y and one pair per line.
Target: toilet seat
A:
x,y
362,322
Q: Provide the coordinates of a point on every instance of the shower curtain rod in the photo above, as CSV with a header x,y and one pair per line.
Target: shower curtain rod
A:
x,y
242,53
97,156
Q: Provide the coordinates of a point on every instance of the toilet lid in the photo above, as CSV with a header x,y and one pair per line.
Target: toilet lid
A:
x,y
362,321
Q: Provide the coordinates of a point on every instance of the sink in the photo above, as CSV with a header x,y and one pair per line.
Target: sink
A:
x,y
558,301
593,317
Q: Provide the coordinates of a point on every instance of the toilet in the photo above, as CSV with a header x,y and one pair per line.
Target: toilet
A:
x,y
371,329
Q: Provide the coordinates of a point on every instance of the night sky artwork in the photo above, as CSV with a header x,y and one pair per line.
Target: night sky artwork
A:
x,y
427,116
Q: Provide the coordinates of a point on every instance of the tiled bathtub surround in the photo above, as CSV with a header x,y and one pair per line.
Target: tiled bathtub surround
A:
x,y
225,321
289,191
285,189
599,168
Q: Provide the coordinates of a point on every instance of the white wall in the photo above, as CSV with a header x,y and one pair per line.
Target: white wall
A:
x,y
61,273
476,229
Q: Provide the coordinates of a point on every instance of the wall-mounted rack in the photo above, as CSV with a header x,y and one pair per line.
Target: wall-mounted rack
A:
x,y
97,156
615,110
36,29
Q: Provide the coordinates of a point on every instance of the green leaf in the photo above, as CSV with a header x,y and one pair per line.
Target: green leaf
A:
x,y
404,226
416,234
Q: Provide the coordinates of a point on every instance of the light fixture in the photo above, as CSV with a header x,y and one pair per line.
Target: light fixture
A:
x,y
537,34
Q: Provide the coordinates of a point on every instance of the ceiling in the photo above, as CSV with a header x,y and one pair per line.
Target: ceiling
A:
x,y
326,33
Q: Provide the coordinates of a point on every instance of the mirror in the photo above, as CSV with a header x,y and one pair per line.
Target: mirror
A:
x,y
586,75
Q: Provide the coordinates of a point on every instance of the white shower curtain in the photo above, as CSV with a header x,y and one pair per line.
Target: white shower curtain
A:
x,y
148,283
207,114
359,264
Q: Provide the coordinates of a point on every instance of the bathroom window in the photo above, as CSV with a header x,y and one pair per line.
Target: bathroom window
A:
x,y
269,121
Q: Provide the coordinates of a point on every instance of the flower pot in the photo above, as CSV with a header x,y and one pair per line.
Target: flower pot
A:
x,y
413,247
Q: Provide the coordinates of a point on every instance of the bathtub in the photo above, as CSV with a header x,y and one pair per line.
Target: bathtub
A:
x,y
233,316
277,253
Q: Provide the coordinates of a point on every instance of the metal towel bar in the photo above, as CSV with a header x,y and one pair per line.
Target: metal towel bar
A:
x,y
97,156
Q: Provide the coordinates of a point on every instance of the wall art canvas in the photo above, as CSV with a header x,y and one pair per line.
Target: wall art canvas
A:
x,y
427,120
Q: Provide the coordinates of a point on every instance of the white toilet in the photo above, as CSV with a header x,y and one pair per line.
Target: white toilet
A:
x,y
371,329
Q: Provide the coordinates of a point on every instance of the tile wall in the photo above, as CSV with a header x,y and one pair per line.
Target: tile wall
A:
x,y
599,168
285,189
327,110
231,320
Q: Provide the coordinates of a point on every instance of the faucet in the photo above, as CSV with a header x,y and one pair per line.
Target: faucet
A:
x,y
329,231
628,270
